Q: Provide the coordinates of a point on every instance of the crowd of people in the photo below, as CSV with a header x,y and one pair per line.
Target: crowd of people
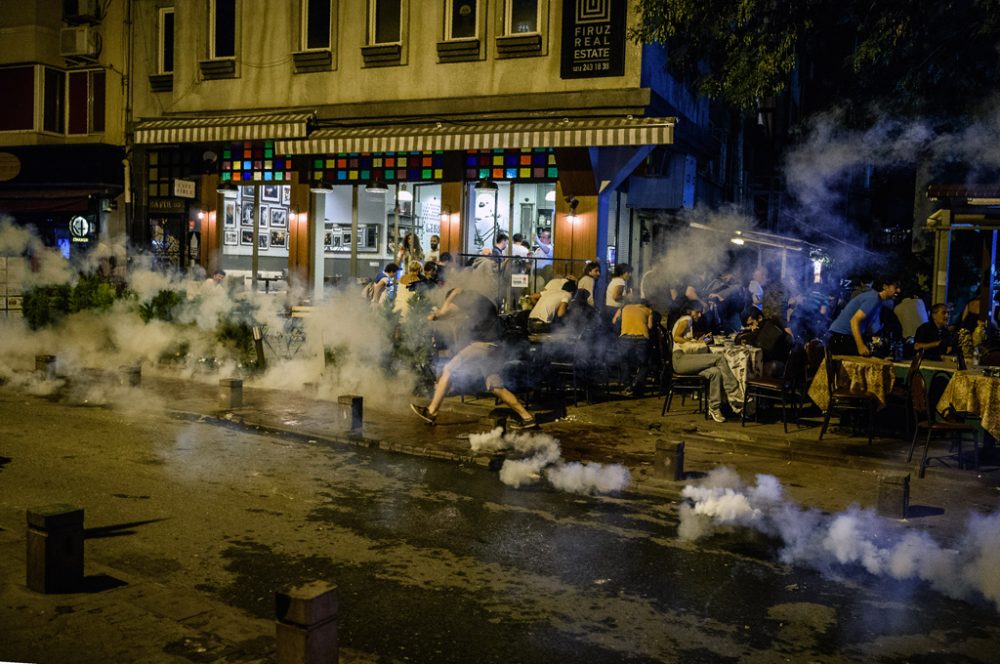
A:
x,y
655,328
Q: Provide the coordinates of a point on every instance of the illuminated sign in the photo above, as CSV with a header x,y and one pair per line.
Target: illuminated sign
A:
x,y
79,228
184,188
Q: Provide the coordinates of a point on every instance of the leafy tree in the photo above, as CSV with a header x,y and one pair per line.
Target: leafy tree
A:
x,y
907,56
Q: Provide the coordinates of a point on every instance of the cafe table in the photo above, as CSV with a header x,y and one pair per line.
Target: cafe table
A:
x,y
871,375
975,393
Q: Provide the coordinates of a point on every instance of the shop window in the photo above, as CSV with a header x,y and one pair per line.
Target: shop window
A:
x,y
522,29
385,33
54,101
316,36
18,84
86,102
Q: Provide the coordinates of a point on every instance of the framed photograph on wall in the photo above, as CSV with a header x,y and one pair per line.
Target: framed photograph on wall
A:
x,y
286,195
270,192
230,214
263,241
279,238
246,236
279,217
231,237
265,214
328,240
246,213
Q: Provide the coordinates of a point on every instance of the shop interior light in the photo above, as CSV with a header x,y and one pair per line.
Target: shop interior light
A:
x,y
376,186
737,240
486,184
321,187
551,196
228,190
403,195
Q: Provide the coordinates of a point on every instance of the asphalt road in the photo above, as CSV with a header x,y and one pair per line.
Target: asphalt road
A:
x,y
433,562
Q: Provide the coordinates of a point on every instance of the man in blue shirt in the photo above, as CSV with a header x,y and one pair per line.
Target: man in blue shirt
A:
x,y
858,318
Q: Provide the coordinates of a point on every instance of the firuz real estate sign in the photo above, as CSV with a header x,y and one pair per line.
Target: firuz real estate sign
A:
x,y
593,38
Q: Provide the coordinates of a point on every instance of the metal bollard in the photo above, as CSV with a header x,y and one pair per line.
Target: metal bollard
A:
x,y
668,463
55,548
306,624
893,494
130,376
351,412
46,366
231,392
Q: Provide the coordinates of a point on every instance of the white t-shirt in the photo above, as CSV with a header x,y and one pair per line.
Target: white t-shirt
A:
x,y
609,301
587,283
548,304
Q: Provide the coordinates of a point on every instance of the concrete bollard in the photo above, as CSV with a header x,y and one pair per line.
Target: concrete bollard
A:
x,y
352,410
306,624
231,392
55,548
46,366
129,376
893,494
668,463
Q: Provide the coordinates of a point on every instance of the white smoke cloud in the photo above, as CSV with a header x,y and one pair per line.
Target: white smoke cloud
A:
x,y
542,458
854,538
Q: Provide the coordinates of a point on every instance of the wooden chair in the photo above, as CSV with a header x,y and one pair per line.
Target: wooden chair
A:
x,y
900,393
926,421
789,389
844,401
683,384
814,357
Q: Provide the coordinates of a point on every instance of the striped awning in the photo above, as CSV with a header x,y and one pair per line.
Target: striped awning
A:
x,y
484,136
222,128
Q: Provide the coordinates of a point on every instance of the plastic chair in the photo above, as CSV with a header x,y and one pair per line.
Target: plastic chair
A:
x,y
843,401
789,389
925,421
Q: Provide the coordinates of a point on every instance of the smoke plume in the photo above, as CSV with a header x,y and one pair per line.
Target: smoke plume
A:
x,y
856,538
541,457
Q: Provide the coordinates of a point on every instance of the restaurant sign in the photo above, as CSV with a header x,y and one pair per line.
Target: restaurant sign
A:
x,y
593,38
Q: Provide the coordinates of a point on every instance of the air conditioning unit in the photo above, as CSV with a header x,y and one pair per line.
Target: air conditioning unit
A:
x,y
81,11
81,41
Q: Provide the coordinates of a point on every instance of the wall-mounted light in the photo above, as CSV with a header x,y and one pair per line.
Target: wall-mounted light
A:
x,y
738,241
573,204
228,190
201,215
445,214
376,186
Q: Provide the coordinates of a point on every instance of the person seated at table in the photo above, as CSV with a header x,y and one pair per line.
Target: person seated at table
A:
x,y
551,304
851,328
581,316
618,288
771,337
692,357
636,322
934,337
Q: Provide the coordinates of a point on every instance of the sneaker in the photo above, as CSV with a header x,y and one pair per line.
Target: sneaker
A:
x,y
519,424
423,413
716,415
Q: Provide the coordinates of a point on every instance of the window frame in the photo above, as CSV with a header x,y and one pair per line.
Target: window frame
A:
x,y
161,67
304,46
60,114
508,10
213,12
449,20
94,104
372,27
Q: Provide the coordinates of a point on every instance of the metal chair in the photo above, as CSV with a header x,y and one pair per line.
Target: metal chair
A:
x,y
926,421
789,389
684,384
845,401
